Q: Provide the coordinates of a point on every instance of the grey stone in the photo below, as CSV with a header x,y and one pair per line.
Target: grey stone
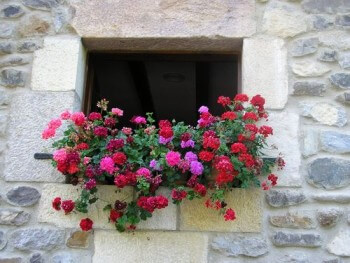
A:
x,y
329,218
13,217
36,258
232,245
344,98
34,26
41,106
344,60
336,198
294,258
42,4
293,220
310,142
333,260
326,6
6,48
11,11
37,238
343,21
340,80
329,173
311,88
12,78
304,47
324,113
27,46
3,240
11,260
283,198
62,17
340,244
13,60
335,142
286,239
6,30
320,22
327,55
23,196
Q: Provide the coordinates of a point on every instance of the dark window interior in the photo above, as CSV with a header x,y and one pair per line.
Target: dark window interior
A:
x,y
173,86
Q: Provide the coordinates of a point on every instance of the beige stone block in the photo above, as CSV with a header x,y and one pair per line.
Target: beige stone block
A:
x,y
195,216
46,214
264,70
164,19
150,247
59,65
162,219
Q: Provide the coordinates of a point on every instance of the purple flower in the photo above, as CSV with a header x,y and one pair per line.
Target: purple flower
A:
x,y
203,109
190,156
187,144
164,141
196,168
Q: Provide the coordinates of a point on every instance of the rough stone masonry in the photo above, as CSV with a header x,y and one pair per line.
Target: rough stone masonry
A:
x,y
296,53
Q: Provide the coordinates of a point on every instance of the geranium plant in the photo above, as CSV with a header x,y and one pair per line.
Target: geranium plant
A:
x,y
219,154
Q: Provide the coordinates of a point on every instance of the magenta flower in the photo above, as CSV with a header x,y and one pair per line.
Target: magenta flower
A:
x,y
107,164
172,158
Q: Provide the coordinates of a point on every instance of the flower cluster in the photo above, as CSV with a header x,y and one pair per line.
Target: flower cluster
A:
x,y
207,161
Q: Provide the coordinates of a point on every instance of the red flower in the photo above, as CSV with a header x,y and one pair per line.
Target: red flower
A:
x,y
211,142
121,181
265,130
224,101
223,164
86,224
229,115
238,148
78,118
264,186
166,132
101,131
67,206
164,123
230,215
200,189
206,156
273,178
250,116
247,159
251,128
119,158
223,178
82,146
115,144
178,194
185,136
56,203
95,116
241,98
258,102
151,203
114,215
110,122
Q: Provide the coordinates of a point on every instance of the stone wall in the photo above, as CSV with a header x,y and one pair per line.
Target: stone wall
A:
x,y
296,53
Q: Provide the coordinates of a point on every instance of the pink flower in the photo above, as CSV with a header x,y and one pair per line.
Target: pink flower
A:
x,y
143,172
90,184
172,158
86,160
127,130
107,164
203,109
65,115
55,124
138,120
78,118
95,116
48,133
60,155
117,111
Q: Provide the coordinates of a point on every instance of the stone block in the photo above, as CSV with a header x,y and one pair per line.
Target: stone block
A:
x,y
340,244
13,217
288,239
283,20
340,80
286,138
195,216
171,247
42,5
46,214
344,60
309,68
329,218
29,114
325,6
284,198
293,220
328,55
162,219
310,142
11,11
34,25
164,19
12,78
335,142
329,173
3,240
272,82
344,98
304,46
78,239
321,22
64,70
23,196
309,88
341,198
